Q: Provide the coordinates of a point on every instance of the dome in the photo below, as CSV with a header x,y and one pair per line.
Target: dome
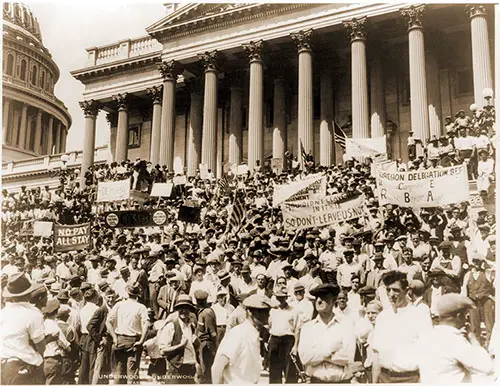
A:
x,y
20,15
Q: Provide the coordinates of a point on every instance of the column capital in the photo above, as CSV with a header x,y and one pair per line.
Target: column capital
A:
x,y
254,50
120,101
474,10
356,28
303,40
155,93
112,119
170,70
413,15
210,60
90,108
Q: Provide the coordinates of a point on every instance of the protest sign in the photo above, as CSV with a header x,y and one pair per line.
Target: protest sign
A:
x,y
189,212
382,165
71,237
325,211
42,228
180,180
161,189
286,191
135,218
365,147
423,188
113,191
242,170
26,228
277,165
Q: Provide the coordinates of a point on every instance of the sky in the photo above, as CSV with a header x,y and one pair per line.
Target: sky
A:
x,y
69,27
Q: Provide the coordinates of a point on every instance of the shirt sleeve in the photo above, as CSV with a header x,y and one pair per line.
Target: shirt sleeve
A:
x,y
230,346
474,358
111,318
165,336
309,349
36,328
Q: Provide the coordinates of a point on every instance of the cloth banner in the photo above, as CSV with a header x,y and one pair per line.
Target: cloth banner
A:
x,y
42,228
365,147
383,165
71,237
190,212
325,211
135,218
161,189
113,191
285,191
423,188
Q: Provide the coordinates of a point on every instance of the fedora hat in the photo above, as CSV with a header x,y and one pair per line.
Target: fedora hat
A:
x,y
184,301
133,290
19,285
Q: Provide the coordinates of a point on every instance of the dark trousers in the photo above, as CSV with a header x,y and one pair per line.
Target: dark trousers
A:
x,y
68,371
17,372
207,351
87,360
102,365
280,363
52,370
153,299
221,331
387,376
484,312
184,375
127,360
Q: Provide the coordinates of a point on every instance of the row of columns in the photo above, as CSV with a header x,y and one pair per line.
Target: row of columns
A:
x,y
202,133
18,129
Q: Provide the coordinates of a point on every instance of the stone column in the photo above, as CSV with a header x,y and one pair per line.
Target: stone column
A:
x,y
14,133
121,128
359,84
279,119
305,103
377,99
195,124
90,109
38,132
235,125
481,64
326,151
24,127
62,139
5,121
209,135
255,104
155,93
50,135
169,71
418,83
433,94
57,137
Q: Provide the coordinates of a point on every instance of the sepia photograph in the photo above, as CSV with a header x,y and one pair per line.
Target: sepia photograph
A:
x,y
248,193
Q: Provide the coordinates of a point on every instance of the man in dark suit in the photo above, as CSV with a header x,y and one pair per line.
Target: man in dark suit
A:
x,y
168,294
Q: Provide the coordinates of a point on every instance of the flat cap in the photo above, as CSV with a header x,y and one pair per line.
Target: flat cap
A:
x,y
256,302
323,289
367,290
452,303
445,245
200,295
298,286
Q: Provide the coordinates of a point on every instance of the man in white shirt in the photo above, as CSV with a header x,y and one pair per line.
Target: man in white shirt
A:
x,y
396,334
449,354
237,360
222,310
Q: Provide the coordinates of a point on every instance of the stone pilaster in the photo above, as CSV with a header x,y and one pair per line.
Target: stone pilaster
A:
x,y
209,61
279,119
326,151
38,132
195,126
50,136
155,93
90,109
235,125
418,82
481,64
305,92
57,137
377,99
255,104
170,72
24,127
121,152
356,29
5,120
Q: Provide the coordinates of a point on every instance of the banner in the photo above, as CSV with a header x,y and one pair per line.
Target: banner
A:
x,y
113,191
161,189
383,165
189,212
286,191
318,213
136,218
26,228
42,228
71,237
180,180
423,188
365,147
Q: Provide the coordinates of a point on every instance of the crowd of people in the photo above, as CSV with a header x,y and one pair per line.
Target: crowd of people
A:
x,y
398,295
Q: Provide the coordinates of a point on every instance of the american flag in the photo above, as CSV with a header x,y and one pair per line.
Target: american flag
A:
x,y
303,152
224,187
237,215
339,135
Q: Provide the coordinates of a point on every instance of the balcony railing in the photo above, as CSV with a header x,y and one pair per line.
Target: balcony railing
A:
x,y
122,50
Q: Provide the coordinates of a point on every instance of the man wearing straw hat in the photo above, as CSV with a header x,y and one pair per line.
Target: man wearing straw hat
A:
x,y
20,324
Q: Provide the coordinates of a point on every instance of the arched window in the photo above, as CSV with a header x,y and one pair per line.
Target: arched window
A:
x,y
9,70
22,70
42,85
34,76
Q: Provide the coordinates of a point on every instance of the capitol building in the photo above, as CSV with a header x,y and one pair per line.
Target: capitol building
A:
x,y
35,121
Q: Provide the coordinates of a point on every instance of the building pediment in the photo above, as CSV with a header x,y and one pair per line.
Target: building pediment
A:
x,y
197,17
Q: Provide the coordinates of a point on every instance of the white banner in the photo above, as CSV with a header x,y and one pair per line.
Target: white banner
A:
x,y
284,192
161,189
365,147
423,188
113,191
318,213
